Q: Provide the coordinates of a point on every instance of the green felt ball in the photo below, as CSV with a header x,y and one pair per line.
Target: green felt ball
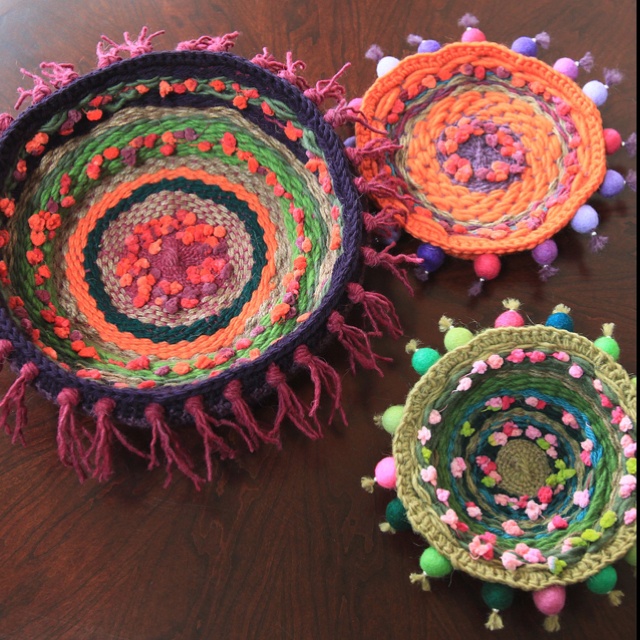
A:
x,y
631,556
456,337
434,564
423,359
604,581
391,418
396,516
497,596
608,345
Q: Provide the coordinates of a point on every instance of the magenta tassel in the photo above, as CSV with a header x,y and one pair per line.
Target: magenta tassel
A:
x,y
384,223
597,243
374,52
208,43
70,448
14,399
5,121
290,72
59,75
377,308
107,52
289,406
323,375
377,149
329,89
6,347
244,416
547,271
267,61
356,343
142,44
384,259
40,90
165,438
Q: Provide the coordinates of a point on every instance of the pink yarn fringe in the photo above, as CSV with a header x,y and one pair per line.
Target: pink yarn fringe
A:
x,y
165,438
384,186
376,149
383,223
290,72
14,399
323,375
384,259
5,349
377,308
39,91
267,61
71,450
108,51
356,343
5,121
225,42
289,406
329,89
59,74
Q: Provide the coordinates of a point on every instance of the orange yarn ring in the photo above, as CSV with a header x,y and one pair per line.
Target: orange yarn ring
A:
x,y
87,305
554,127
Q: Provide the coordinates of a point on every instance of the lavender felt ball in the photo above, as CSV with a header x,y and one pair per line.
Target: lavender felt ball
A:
x,y
612,184
585,219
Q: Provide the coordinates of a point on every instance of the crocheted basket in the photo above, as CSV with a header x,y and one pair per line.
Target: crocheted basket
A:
x,y
514,457
480,150
179,232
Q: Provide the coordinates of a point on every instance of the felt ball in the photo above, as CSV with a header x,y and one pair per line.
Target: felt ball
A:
x,y
550,600
597,91
509,318
603,582
350,142
487,266
560,321
612,140
568,67
423,359
432,257
396,515
631,556
456,337
386,473
429,46
472,34
612,184
355,104
525,46
585,219
546,252
608,345
391,418
386,64
497,596
434,564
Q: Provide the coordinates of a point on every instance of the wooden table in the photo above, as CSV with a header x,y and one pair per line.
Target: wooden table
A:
x,y
285,544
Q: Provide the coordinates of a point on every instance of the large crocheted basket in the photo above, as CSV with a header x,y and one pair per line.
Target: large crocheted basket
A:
x,y
179,231
514,458
481,150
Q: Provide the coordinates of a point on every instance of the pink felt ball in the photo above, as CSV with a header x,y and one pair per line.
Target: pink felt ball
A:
x,y
355,104
612,140
510,318
386,473
472,34
550,601
567,66
487,266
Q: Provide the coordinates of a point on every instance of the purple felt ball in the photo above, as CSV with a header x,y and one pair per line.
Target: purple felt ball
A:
x,y
525,46
546,252
585,219
597,91
350,142
432,257
612,184
429,46
568,67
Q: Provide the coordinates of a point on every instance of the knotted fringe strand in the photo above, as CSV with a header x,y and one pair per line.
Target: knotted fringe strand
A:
x,y
356,343
5,345
421,579
385,527
245,418
323,375
71,450
384,223
551,624
225,42
14,399
494,623
290,406
163,436
615,597
386,260
377,308
205,425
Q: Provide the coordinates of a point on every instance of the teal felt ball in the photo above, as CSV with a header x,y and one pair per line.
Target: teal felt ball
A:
x,y
423,359
604,581
497,596
434,564
396,515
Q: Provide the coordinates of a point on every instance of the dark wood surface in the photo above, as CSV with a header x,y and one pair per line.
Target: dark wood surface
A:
x,y
285,544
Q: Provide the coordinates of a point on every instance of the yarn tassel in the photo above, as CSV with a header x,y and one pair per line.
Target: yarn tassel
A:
x,y
374,52
267,61
59,75
368,483
377,149
345,113
586,62
40,90
494,623
551,623
385,527
476,288
70,448
612,76
289,72
632,180
289,405
323,375
14,399
142,44
546,272
543,39
597,242
386,260
329,89
468,20
383,186
615,597
6,347
212,442
107,52
421,579
384,223
209,43
630,144
356,343
5,121
162,435
245,418
377,308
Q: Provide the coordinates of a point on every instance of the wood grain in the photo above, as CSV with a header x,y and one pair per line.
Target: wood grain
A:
x,y
284,544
